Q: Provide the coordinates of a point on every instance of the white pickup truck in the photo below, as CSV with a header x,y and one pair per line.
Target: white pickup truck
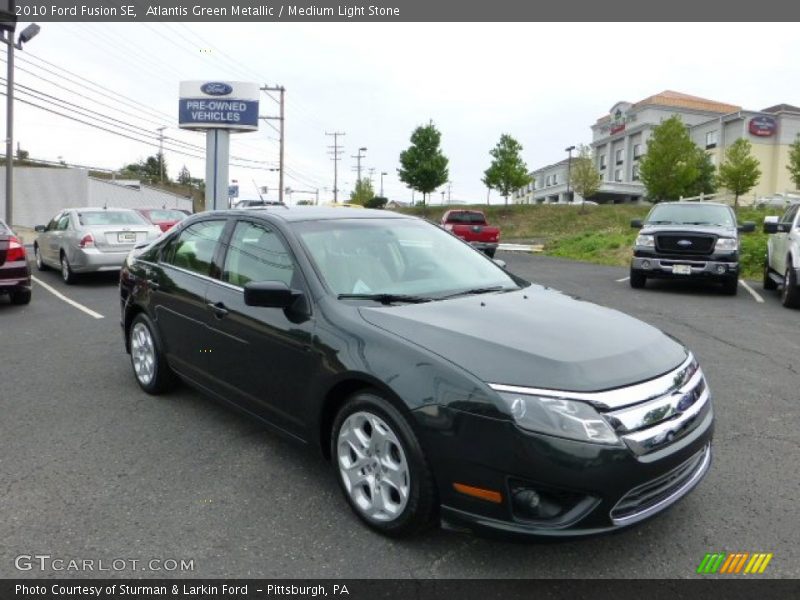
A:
x,y
782,263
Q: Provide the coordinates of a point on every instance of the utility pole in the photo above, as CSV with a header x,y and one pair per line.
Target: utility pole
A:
x,y
336,153
371,174
358,158
449,186
161,151
569,168
282,121
382,174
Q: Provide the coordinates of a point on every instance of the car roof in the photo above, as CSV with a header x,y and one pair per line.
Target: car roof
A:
x,y
310,213
693,203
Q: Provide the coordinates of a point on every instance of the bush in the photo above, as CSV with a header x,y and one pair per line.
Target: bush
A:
x,y
376,202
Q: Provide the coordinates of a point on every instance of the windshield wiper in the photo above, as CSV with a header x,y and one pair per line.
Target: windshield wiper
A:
x,y
480,290
706,223
386,298
660,223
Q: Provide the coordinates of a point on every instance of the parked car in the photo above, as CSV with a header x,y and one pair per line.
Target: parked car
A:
x,y
83,240
437,383
164,218
688,240
15,273
782,262
343,205
471,226
257,203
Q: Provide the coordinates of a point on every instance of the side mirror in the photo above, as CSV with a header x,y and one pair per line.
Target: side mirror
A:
x,y
270,294
771,224
636,223
40,229
747,227
500,263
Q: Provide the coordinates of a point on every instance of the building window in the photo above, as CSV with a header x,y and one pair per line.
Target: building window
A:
x,y
602,161
711,139
555,178
547,182
618,175
618,156
635,173
637,151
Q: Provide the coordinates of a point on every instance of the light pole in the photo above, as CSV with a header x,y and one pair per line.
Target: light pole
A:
x,y
27,34
358,158
382,174
569,167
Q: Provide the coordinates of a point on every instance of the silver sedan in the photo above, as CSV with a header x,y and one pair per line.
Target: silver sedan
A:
x,y
83,240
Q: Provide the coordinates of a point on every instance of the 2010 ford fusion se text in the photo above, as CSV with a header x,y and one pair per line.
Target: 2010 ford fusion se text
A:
x,y
441,387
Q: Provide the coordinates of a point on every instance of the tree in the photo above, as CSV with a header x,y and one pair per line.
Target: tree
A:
x,y
423,166
184,176
148,169
739,173
585,179
377,202
794,162
508,171
363,192
671,167
706,182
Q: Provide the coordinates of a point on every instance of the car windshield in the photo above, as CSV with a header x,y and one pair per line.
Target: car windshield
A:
x,y
159,216
691,214
110,217
391,257
466,218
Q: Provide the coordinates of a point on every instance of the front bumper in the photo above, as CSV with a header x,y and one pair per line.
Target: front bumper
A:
x,y
712,267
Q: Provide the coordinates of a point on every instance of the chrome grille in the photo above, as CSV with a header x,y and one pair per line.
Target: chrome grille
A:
x,y
685,244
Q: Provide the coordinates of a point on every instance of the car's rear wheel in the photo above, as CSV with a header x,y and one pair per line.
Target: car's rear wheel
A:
x,y
730,286
790,295
147,358
490,252
381,468
637,280
37,254
66,271
21,297
769,283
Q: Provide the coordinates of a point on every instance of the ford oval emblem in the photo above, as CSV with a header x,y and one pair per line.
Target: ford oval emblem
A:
x,y
684,243
216,88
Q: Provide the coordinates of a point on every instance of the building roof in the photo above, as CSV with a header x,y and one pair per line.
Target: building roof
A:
x,y
782,108
557,164
678,100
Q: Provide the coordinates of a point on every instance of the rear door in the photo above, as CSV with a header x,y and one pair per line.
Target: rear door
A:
x,y
259,356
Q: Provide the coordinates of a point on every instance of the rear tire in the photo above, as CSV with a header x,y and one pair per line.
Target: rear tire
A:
x,y
21,297
147,357
490,252
769,283
637,280
381,468
790,295
67,274
40,266
730,286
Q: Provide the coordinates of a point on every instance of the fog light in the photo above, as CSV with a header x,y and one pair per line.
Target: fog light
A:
x,y
646,264
721,269
532,505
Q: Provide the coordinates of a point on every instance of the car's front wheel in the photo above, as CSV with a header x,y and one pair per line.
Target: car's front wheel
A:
x,y
790,295
730,286
381,468
147,357
769,283
637,280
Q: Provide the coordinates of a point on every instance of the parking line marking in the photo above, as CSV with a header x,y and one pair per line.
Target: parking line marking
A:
x,y
753,293
69,301
623,279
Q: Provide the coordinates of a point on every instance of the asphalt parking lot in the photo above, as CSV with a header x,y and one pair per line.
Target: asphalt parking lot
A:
x,y
93,468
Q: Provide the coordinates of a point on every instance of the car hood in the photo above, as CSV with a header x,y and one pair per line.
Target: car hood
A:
x,y
535,337
691,229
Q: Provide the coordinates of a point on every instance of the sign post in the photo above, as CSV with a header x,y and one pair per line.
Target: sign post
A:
x,y
219,108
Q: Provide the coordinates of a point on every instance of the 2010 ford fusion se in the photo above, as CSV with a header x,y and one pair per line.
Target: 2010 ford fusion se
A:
x,y
439,385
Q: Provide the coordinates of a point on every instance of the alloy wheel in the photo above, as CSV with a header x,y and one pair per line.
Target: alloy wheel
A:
x,y
373,467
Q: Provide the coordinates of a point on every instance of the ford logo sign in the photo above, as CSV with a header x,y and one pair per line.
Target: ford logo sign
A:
x,y
684,243
216,88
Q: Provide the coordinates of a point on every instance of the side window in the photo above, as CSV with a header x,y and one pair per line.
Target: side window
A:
x,y
789,215
63,222
194,248
256,253
51,226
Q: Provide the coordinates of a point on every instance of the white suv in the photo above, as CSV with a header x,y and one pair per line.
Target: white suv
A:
x,y
782,263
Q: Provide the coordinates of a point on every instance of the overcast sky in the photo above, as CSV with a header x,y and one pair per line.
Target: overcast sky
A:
x,y
543,83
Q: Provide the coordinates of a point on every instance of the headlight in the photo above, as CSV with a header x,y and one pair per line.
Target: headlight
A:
x,y
647,241
726,245
556,416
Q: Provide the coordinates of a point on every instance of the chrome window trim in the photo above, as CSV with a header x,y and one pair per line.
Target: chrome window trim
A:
x,y
615,398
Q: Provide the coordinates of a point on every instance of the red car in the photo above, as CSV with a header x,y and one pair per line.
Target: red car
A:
x,y
15,273
165,218
471,226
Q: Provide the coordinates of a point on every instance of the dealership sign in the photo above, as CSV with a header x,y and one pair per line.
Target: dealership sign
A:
x,y
218,105
763,126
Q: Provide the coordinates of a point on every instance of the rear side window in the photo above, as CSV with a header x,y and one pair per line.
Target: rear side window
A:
x,y
193,249
256,253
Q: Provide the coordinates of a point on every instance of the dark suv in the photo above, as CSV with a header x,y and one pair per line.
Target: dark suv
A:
x,y
688,240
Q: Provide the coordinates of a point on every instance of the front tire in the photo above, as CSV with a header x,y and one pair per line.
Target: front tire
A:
x,y
147,357
790,295
637,280
381,468
769,283
730,286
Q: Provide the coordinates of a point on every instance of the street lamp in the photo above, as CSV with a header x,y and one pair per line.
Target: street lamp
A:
x,y
382,174
569,166
7,27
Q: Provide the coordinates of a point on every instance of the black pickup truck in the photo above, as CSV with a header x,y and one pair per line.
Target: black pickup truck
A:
x,y
688,240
